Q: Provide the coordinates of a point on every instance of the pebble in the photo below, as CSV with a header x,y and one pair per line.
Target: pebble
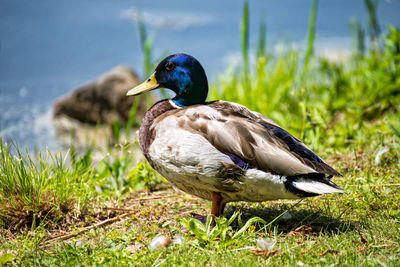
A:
x,y
379,155
159,241
286,216
178,240
266,243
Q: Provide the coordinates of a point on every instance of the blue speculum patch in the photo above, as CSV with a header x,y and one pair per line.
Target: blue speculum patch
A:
x,y
239,161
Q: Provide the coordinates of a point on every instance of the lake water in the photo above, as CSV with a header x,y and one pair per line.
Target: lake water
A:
x,y
48,48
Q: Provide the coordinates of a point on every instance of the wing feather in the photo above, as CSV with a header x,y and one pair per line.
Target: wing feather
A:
x,y
259,141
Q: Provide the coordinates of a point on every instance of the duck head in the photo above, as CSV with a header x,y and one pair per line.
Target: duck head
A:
x,y
181,73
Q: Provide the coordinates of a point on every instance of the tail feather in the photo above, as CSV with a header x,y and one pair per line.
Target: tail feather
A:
x,y
308,187
317,187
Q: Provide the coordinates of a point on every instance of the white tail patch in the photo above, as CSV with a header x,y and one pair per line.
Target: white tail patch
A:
x,y
316,187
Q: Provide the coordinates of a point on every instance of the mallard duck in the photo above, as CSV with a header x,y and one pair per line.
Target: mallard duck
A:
x,y
222,151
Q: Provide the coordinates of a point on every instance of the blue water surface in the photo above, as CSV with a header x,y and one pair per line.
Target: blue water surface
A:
x,y
48,48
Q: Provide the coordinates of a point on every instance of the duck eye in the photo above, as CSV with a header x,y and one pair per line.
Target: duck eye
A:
x,y
170,66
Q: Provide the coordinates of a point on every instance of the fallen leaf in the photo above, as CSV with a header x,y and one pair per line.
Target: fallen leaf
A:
x,y
305,228
362,248
301,231
264,252
331,251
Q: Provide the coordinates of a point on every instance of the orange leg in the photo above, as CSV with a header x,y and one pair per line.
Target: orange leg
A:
x,y
217,206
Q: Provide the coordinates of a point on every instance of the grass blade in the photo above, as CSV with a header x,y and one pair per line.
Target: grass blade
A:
x,y
311,33
244,40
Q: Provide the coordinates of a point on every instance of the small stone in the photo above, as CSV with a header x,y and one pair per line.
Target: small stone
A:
x,y
286,216
159,241
78,243
266,243
379,155
178,240
102,101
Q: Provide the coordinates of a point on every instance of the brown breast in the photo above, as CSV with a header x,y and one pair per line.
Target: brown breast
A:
x,y
146,133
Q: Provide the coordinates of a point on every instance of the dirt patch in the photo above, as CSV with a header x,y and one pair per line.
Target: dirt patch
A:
x,y
19,215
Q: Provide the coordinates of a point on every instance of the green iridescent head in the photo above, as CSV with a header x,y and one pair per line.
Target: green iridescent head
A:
x,y
181,73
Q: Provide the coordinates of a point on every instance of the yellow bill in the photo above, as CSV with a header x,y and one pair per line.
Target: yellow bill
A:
x,y
148,85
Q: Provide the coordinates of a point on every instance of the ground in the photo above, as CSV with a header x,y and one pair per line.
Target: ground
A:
x,y
358,228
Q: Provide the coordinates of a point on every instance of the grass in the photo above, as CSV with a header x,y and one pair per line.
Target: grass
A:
x,y
40,191
82,210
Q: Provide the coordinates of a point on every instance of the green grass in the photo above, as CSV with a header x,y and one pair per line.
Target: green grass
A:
x,y
41,190
347,111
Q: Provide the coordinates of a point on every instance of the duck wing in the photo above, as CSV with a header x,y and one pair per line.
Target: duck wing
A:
x,y
251,139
